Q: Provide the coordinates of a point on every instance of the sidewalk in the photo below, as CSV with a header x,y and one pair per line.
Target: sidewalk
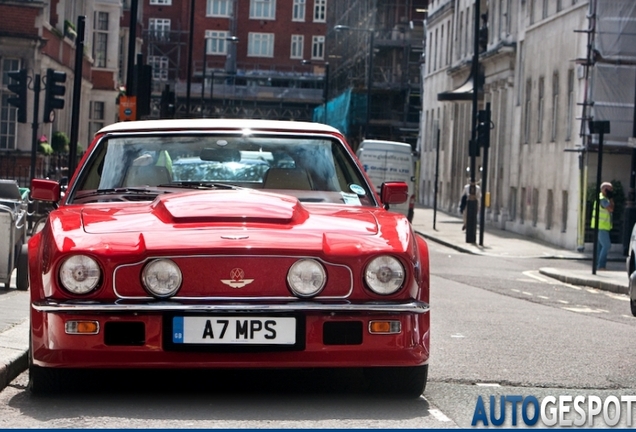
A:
x,y
14,305
497,242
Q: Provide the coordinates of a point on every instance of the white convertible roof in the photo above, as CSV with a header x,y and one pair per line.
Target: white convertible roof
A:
x,y
217,124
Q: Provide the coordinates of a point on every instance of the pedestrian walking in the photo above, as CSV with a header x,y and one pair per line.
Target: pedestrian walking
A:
x,y
606,200
463,203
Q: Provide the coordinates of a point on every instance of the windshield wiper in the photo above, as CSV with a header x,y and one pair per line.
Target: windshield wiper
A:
x,y
123,190
200,185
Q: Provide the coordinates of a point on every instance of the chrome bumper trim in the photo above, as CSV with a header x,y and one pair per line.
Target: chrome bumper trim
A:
x,y
416,307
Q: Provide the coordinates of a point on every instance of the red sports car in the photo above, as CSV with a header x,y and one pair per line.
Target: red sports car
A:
x,y
227,244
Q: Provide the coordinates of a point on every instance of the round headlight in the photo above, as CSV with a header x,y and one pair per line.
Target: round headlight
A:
x,y
384,275
162,278
306,278
80,274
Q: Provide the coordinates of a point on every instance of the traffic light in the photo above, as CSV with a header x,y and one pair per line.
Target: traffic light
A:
x,y
54,88
20,90
483,128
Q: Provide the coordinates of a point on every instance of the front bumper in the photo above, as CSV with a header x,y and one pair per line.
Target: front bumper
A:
x,y
53,347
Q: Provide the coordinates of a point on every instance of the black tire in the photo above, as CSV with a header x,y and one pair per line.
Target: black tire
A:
x,y
632,292
407,382
22,277
43,381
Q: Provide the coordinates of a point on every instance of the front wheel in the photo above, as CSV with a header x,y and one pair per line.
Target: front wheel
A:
x,y
44,381
409,382
632,292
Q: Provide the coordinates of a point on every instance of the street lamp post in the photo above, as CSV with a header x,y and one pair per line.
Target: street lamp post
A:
x,y
369,72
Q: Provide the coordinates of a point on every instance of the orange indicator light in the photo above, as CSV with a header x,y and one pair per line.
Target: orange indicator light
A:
x,y
81,327
385,327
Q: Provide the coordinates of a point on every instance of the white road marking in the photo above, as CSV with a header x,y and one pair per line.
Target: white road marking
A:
x,y
585,309
526,293
515,290
592,290
534,274
439,415
622,297
488,384
563,301
544,297
457,335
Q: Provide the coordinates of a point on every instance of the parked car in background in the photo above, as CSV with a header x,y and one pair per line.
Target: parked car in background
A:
x,y
386,161
14,203
227,244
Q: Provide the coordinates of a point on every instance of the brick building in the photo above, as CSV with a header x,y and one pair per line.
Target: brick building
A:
x,y
243,58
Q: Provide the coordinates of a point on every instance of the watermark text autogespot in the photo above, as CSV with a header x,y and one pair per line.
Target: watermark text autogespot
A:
x,y
553,410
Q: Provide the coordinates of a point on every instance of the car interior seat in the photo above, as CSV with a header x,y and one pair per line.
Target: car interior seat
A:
x,y
287,178
147,175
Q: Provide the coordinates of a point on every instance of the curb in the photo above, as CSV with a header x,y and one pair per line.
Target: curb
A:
x,y
14,352
448,244
593,283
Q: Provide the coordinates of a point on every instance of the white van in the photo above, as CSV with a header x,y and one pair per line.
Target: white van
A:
x,y
390,161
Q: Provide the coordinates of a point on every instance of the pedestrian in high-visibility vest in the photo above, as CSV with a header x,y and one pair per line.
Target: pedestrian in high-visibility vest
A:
x,y
604,223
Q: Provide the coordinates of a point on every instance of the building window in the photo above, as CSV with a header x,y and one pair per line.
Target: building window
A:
x,y
522,207
297,46
298,10
100,39
540,110
531,11
549,208
555,106
159,67
568,125
263,9
535,207
8,113
260,45
320,10
513,204
318,47
216,42
219,8
545,9
161,2
564,211
96,117
528,108
159,28
559,5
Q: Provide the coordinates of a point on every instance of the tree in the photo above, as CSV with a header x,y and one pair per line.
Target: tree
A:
x,y
60,142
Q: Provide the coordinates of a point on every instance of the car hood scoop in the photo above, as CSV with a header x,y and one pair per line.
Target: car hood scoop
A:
x,y
228,206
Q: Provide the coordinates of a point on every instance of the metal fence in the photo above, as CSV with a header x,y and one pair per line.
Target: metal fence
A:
x,y
17,166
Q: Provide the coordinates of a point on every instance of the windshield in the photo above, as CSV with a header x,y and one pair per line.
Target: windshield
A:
x,y
314,169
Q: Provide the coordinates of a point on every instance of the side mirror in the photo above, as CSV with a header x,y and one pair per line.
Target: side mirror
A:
x,y
45,190
394,192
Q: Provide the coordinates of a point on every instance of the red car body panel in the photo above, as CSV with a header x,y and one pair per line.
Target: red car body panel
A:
x,y
208,234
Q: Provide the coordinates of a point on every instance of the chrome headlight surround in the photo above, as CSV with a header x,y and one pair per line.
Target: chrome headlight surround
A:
x,y
162,278
306,278
384,275
80,274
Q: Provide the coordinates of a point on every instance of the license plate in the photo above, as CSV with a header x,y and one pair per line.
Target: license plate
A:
x,y
234,330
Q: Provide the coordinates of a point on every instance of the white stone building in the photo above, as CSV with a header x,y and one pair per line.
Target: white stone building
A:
x,y
537,177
